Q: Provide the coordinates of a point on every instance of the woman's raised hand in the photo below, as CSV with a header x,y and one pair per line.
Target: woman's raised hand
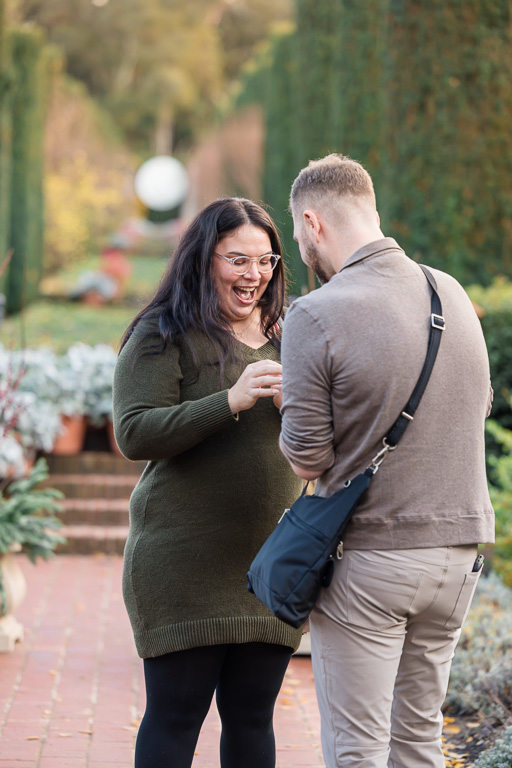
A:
x,y
261,379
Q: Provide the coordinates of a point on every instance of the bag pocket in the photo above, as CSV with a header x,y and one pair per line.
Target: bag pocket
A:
x,y
294,548
463,602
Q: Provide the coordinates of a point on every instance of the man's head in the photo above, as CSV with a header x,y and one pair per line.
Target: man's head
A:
x,y
334,212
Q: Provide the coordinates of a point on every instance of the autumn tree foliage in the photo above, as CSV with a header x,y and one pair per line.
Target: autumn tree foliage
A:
x,y
162,68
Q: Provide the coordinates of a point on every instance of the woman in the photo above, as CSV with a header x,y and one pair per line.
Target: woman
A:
x,y
196,391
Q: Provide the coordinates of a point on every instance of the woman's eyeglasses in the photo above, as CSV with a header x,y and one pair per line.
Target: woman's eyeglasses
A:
x,y
242,264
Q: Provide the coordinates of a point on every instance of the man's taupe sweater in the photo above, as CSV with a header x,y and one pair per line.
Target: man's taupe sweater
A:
x,y
213,490
352,353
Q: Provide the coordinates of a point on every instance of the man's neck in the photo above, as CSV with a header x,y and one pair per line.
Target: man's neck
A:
x,y
347,245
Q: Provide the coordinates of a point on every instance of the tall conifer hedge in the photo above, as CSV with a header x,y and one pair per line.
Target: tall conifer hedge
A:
x,y
450,111
274,83
420,94
5,144
26,214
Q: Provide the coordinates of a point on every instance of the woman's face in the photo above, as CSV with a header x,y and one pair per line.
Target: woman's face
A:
x,y
239,294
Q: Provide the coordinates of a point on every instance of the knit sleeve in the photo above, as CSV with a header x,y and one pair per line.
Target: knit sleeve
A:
x,y
307,427
150,422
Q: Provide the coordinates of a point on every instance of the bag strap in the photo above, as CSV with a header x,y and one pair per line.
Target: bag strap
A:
x,y
437,326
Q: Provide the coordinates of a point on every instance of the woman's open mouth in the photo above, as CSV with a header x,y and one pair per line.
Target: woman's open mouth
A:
x,y
245,295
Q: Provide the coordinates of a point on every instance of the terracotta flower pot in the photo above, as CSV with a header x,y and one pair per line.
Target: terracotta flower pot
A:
x,y
71,439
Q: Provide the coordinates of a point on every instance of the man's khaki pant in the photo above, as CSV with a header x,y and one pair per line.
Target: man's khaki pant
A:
x,y
383,637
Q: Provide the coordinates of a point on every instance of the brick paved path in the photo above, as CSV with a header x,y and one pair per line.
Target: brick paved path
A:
x,y
72,694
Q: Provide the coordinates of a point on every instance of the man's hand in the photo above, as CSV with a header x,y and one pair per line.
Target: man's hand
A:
x,y
306,474
278,399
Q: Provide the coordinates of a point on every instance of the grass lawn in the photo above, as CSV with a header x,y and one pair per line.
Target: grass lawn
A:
x,y
57,323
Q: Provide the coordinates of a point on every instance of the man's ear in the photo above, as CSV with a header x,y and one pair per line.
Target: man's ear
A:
x,y
312,223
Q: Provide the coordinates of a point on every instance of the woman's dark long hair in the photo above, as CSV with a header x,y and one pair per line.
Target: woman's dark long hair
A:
x,y
186,299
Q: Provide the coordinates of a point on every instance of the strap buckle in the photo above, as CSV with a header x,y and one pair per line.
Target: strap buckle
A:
x,y
379,458
437,321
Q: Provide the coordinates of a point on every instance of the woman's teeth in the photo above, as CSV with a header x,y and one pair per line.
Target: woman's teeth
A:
x,y
246,294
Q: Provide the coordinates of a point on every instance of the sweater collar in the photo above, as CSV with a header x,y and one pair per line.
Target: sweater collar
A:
x,y
377,247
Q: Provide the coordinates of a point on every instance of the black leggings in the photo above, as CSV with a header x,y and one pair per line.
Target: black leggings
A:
x,y
180,688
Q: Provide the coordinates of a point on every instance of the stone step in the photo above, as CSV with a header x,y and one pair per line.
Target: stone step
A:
x,y
90,486
95,462
94,512
92,539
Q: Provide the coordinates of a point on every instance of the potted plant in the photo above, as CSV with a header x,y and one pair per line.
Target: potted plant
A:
x,y
11,452
27,513
96,365
101,363
53,388
57,393
27,523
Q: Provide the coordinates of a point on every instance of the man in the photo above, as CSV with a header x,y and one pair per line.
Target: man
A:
x,y
384,633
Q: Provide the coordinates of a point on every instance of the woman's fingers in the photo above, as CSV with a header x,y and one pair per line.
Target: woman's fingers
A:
x,y
266,381
263,367
261,379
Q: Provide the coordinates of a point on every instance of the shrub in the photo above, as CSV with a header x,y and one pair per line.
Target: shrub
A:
x,y
501,496
495,304
481,676
499,756
27,515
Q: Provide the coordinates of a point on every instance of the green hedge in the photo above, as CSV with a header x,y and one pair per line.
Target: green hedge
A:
x,y
495,307
5,144
266,85
26,210
420,94
281,156
449,113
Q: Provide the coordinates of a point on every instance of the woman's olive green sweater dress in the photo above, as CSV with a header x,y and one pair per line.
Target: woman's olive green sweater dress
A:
x,y
213,490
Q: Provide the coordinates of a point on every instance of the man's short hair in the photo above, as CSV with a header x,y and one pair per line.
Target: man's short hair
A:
x,y
330,178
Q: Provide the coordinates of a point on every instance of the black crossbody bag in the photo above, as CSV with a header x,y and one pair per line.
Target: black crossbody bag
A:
x,y
298,557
